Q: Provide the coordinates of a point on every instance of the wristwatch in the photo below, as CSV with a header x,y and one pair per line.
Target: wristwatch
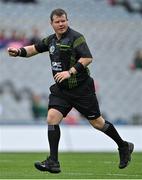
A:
x,y
70,72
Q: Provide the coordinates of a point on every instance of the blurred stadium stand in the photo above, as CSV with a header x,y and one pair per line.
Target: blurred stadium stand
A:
x,y
113,35
132,6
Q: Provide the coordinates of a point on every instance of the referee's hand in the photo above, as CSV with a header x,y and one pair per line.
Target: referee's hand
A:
x,y
61,76
13,51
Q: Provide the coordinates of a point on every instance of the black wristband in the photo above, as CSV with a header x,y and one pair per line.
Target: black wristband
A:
x,y
79,67
22,52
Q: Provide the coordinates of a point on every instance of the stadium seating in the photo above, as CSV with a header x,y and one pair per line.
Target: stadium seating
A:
x,y
113,36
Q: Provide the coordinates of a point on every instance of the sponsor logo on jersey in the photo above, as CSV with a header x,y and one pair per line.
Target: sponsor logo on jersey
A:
x,y
56,66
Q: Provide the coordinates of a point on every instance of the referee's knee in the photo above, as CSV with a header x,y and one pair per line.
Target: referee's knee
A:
x,y
54,117
52,120
98,123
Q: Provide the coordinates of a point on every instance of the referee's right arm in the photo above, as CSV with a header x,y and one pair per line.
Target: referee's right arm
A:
x,y
26,51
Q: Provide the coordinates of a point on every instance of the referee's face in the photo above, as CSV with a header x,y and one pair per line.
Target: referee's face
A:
x,y
59,24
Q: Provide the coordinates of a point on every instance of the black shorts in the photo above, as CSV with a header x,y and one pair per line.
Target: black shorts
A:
x,y
82,98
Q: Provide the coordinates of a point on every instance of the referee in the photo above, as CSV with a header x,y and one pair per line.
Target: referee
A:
x,y
70,57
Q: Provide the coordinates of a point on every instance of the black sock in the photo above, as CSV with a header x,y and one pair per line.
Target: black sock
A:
x,y
110,130
53,138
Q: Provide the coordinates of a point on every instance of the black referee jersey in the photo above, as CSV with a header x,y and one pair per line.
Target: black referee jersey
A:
x,y
64,53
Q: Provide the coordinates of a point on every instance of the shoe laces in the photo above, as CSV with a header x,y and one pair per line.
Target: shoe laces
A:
x,y
43,162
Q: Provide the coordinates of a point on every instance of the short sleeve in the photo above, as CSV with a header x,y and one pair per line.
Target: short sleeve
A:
x,y
81,48
42,46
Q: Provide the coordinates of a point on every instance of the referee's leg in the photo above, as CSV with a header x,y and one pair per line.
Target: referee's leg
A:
x,y
51,164
125,148
54,117
108,129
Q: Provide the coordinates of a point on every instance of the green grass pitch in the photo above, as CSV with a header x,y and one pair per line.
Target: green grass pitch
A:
x,y
74,166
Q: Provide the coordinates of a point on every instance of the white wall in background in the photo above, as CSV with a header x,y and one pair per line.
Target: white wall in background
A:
x,y
73,138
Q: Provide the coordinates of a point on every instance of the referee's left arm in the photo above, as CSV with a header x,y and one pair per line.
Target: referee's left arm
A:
x,y
82,51
82,62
